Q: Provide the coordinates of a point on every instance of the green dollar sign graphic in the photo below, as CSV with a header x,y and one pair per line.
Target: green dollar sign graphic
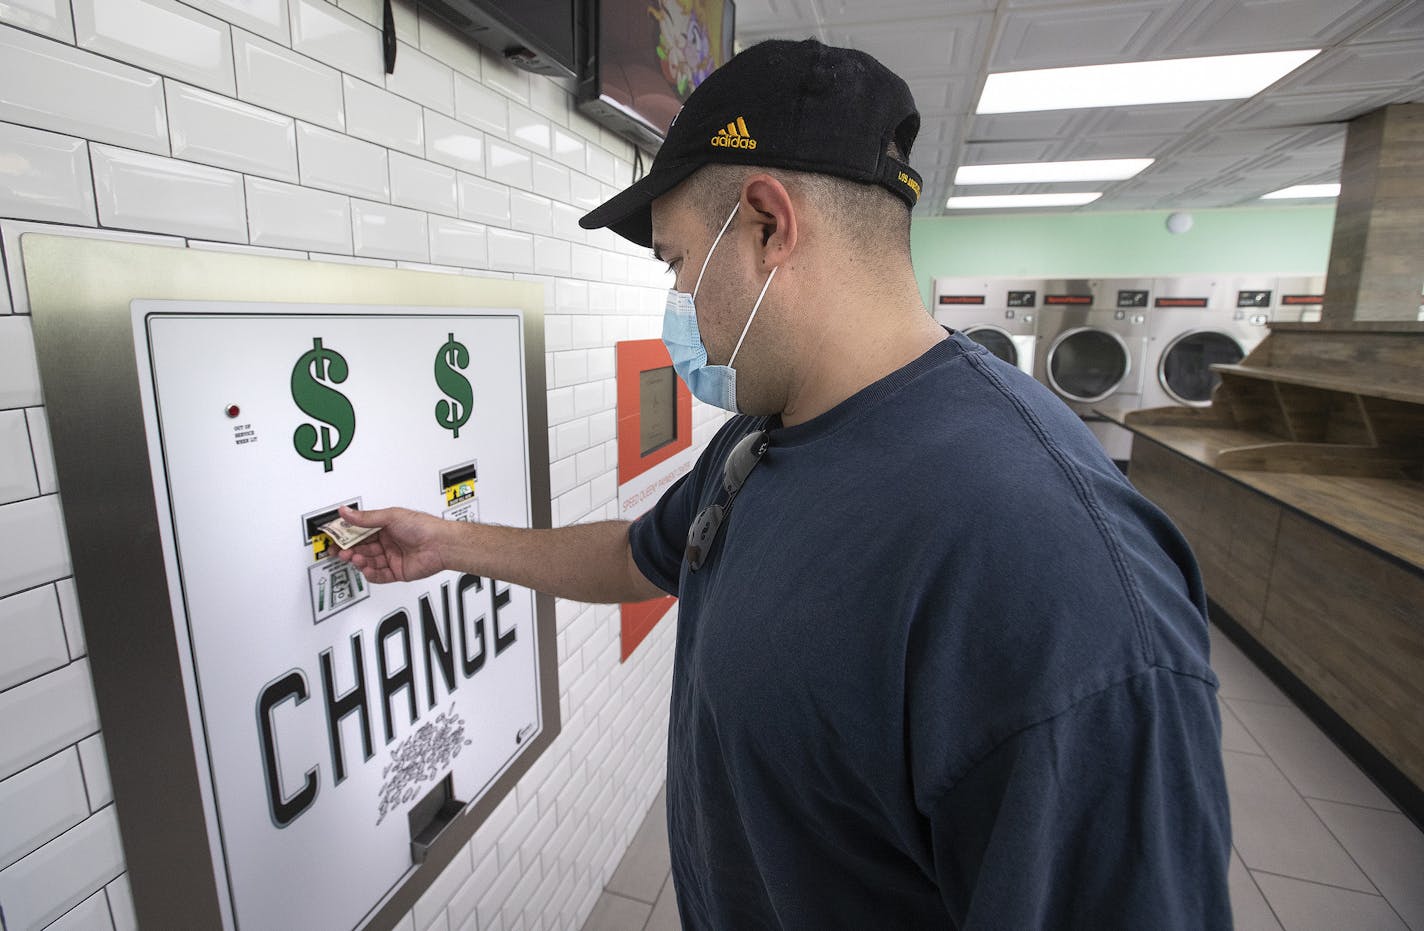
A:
x,y
454,412
317,399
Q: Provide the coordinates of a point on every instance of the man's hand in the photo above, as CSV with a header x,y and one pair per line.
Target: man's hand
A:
x,y
407,548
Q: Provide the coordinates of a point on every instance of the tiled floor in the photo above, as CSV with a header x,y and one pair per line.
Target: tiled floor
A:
x,y
1317,846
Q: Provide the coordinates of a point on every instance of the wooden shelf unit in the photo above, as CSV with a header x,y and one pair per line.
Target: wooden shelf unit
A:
x,y
1301,491
1329,403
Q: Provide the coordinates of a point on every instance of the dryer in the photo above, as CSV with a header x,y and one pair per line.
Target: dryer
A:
x,y
1299,298
1093,337
998,313
1197,322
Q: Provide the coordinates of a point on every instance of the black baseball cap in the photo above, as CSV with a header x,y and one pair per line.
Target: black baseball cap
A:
x,y
803,105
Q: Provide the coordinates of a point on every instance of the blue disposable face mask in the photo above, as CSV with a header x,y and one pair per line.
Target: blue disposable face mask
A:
x,y
714,384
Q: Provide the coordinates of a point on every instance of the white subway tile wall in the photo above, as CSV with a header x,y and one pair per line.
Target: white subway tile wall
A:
x,y
336,162
423,79
39,888
269,126
147,192
47,176
265,17
90,915
96,772
383,117
217,130
47,17
387,232
165,35
453,143
329,35
49,85
422,185
275,77
31,636
19,477
40,803
292,217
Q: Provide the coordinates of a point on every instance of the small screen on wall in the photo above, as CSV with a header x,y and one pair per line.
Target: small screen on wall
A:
x,y
654,53
657,408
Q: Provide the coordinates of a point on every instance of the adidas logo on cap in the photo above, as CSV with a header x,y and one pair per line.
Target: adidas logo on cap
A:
x,y
735,136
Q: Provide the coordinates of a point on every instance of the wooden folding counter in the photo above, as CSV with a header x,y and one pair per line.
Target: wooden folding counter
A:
x,y
1299,489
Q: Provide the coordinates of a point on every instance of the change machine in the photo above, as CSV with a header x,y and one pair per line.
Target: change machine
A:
x,y
290,745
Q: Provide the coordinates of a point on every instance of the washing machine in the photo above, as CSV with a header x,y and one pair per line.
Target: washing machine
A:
x,y
1197,322
1093,338
1299,298
1001,314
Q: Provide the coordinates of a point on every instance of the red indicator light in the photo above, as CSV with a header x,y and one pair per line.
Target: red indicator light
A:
x,y
232,410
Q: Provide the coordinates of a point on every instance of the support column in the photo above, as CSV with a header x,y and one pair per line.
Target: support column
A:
x,y
1377,253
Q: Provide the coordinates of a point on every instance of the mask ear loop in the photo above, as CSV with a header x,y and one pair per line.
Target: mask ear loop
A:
x,y
714,248
755,308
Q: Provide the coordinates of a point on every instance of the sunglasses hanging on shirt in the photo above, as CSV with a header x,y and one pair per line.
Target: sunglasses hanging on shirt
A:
x,y
738,465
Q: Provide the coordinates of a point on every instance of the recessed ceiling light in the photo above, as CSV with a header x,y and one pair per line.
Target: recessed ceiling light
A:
x,y
1102,169
1304,190
1218,77
978,202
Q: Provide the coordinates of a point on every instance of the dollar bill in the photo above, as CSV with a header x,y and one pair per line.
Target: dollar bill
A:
x,y
344,535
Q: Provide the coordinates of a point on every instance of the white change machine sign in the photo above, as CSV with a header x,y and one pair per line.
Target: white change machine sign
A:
x,y
329,709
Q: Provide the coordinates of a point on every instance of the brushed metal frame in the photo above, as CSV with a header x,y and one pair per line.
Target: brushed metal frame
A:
x,y
80,292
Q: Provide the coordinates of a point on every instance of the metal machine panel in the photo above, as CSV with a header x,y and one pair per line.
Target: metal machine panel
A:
x,y
1299,298
1198,321
999,313
290,746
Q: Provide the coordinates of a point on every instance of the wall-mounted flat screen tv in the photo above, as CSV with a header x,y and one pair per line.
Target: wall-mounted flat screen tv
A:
x,y
542,36
647,57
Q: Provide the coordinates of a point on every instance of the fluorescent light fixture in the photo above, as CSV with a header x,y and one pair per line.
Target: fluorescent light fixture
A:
x,y
1219,77
1101,169
980,202
1304,190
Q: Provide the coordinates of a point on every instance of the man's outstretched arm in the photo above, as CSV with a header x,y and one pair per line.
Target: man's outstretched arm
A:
x,y
584,562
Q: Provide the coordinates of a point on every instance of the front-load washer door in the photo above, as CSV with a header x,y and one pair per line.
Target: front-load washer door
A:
x,y
1088,364
997,341
1185,368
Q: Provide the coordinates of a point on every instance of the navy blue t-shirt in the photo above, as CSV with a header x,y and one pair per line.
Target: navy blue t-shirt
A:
x,y
943,668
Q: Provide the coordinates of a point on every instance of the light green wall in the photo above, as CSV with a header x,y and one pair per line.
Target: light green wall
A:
x,y
1287,240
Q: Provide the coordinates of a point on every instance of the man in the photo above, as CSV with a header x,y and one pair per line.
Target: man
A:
x,y
938,665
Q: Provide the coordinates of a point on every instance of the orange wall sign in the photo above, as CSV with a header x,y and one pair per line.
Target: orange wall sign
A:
x,y
654,451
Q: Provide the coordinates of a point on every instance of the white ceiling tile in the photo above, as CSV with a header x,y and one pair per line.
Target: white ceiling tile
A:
x,y
1007,153
1300,109
1407,22
1177,118
1362,66
1049,124
922,47
759,15
843,11
1079,35
1268,25
938,131
1208,154
1116,146
1243,142
943,93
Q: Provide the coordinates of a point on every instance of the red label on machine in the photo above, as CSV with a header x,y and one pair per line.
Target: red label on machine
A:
x,y
961,298
1181,302
1075,299
1295,300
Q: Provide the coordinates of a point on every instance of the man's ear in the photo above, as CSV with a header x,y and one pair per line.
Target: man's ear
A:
x,y
773,215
